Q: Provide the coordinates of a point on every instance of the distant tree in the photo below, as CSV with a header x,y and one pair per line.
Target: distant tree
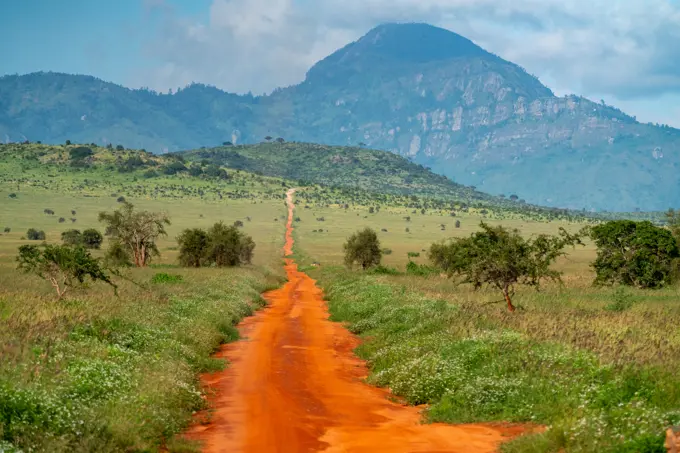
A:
x,y
80,153
8,229
371,210
227,144
35,235
363,248
195,170
92,239
62,266
73,212
502,258
632,253
120,199
48,211
514,197
280,140
193,247
422,211
136,231
72,237
673,222
62,220
268,138
457,223
12,195
239,223
120,148
68,142
174,168
213,171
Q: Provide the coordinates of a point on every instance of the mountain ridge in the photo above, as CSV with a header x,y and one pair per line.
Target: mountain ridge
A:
x,y
468,114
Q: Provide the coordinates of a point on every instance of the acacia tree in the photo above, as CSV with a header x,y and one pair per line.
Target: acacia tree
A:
x,y
193,247
61,265
136,231
502,258
363,248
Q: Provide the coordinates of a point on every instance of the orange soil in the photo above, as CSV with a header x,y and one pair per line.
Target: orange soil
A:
x,y
293,385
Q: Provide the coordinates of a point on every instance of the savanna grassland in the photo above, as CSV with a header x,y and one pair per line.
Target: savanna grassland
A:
x,y
96,371
596,365
101,372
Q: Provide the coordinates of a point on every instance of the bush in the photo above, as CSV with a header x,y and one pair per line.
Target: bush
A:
x,y
632,253
621,300
227,246
413,254
35,235
386,251
62,266
120,199
193,247
420,270
162,277
80,153
118,256
238,224
72,237
62,220
92,239
363,248
12,195
7,229
383,270
457,223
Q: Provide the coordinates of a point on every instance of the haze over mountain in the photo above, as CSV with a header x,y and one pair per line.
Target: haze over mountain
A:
x,y
414,89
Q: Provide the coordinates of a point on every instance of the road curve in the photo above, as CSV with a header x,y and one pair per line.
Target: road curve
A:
x,y
293,385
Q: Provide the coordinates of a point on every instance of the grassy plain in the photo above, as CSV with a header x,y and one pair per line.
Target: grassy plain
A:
x,y
596,365
106,373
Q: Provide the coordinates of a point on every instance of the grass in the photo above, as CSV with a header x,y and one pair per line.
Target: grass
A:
x,y
601,380
598,366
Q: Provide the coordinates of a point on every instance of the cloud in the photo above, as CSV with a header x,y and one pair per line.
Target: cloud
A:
x,y
625,49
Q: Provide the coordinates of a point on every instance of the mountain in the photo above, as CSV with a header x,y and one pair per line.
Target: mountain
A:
x,y
416,90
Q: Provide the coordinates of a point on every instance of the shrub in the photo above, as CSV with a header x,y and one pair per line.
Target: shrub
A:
x,y
383,270
72,237
420,270
193,247
162,277
621,300
62,266
12,195
238,224
120,199
150,174
457,223
632,253
7,229
413,254
35,235
92,239
227,246
62,220
80,153
363,248
117,256
73,212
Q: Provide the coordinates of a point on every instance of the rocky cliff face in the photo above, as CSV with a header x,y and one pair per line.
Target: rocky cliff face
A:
x,y
413,89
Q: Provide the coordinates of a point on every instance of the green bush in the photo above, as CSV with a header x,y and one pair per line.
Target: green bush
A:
x,y
163,277
363,248
35,235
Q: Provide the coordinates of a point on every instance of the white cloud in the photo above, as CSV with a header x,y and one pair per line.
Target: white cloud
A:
x,y
624,49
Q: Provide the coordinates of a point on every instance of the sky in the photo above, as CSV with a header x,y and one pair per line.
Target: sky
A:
x,y
625,52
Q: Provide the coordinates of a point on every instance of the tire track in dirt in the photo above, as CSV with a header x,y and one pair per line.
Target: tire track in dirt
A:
x,y
294,385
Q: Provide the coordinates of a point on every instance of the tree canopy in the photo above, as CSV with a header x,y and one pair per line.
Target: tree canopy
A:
x,y
502,258
363,248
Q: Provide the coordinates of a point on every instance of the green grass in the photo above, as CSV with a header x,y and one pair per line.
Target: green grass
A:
x,y
598,385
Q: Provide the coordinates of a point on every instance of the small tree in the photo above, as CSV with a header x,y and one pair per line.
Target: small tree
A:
x,y
136,231
502,258
673,222
193,247
35,235
72,237
61,265
363,248
227,246
633,253
92,239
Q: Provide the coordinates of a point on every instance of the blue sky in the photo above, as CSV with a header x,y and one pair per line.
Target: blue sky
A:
x,y
626,52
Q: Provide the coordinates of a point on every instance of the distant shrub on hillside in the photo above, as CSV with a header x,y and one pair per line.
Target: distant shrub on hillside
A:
x,y
7,229
12,195
363,248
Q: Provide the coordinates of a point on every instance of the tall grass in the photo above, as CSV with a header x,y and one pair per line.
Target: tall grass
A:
x,y
105,374
472,362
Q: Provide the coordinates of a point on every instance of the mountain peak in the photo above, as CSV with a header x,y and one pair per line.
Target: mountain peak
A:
x,y
393,46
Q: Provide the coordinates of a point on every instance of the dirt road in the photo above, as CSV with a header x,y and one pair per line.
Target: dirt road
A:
x,y
294,386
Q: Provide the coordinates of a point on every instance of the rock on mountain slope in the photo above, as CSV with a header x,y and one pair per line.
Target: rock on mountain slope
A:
x,y
413,89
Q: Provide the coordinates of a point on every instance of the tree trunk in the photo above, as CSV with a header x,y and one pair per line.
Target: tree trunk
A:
x,y
506,294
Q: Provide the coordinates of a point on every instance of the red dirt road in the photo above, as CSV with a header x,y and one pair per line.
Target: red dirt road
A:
x,y
294,385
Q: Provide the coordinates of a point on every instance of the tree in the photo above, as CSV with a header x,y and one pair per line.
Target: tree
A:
x,y
72,237
61,265
268,138
193,247
136,231
227,246
502,258
80,153
35,235
363,248
68,142
673,222
92,239
120,148
634,253
280,140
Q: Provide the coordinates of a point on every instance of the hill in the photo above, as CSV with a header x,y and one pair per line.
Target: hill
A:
x,y
413,89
